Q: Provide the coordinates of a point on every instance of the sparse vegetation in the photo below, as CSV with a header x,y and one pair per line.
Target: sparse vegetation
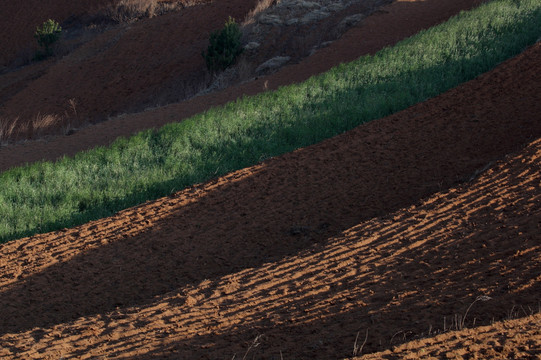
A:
x,y
47,35
127,11
48,196
224,47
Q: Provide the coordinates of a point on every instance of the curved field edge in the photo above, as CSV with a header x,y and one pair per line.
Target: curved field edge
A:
x,y
510,339
48,196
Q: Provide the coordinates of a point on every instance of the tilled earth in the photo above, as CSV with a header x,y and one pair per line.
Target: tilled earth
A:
x,y
387,238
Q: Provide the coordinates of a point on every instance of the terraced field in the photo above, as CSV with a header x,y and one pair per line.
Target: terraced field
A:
x,y
416,235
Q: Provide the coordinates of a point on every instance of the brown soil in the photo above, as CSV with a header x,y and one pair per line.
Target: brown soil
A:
x,y
392,230
18,43
127,68
514,339
18,35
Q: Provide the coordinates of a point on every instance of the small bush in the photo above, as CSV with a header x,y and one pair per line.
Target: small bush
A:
x,y
224,47
47,35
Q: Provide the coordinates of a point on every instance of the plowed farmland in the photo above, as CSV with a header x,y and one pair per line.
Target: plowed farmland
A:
x,y
417,235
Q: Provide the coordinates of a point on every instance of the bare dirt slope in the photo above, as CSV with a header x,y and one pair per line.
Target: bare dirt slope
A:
x,y
127,68
387,233
20,19
514,339
396,227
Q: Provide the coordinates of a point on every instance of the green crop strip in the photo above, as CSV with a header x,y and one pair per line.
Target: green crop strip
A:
x,y
48,196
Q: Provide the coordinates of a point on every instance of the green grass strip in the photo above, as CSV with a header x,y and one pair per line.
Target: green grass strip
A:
x,y
94,184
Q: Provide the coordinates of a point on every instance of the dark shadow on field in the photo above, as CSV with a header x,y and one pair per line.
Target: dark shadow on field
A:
x,y
415,276
287,205
408,276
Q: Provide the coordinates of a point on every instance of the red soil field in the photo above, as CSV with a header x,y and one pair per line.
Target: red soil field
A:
x,y
127,68
514,339
389,233
18,34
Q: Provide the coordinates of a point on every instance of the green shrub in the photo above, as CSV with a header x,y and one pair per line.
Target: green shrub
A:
x,y
47,35
224,47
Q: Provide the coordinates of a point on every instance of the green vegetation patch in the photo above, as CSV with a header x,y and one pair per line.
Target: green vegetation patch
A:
x,y
47,35
224,47
48,196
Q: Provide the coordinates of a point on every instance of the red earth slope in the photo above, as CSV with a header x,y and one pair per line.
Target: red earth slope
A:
x,y
124,69
20,19
514,339
395,227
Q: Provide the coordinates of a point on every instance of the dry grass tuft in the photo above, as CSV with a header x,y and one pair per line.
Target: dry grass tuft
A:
x,y
261,6
14,130
127,11
7,129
